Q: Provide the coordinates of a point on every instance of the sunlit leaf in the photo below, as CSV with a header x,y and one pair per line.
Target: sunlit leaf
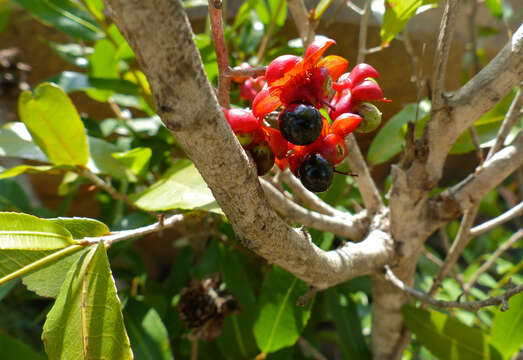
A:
x,y
136,160
54,124
182,187
86,320
507,327
30,169
82,227
16,141
71,81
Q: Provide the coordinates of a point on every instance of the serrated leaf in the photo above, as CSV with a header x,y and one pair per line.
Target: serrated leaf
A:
x,y
397,14
137,160
446,337
15,349
82,227
182,187
280,321
13,260
148,335
507,327
86,320
47,280
389,141
26,232
348,325
65,16
54,124
16,141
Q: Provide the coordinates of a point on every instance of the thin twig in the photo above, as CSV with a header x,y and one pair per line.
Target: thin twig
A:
x,y
224,82
100,183
459,244
194,349
368,189
301,20
362,39
499,251
509,121
373,50
447,27
308,198
472,306
141,231
501,219
354,7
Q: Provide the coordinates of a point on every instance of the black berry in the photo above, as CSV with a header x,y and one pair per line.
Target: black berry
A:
x,y
300,124
316,173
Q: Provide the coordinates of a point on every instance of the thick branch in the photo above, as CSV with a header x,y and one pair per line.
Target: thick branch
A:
x,y
459,110
161,37
301,19
472,306
351,227
224,82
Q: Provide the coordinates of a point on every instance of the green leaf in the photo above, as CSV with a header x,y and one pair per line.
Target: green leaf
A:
x,y
6,288
65,16
82,227
103,63
137,160
54,124
389,141
495,7
446,337
15,349
348,324
16,141
71,81
96,8
321,7
86,320
29,169
102,161
5,14
148,335
397,14
48,279
182,187
27,232
280,321
507,327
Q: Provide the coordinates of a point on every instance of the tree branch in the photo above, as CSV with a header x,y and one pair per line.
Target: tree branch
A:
x,y
362,38
455,112
161,37
351,227
499,251
472,306
501,219
469,192
301,19
369,191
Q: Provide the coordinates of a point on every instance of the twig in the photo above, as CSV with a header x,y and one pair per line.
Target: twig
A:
x,y
501,219
509,121
253,72
301,20
499,251
368,189
444,238
308,198
141,231
194,349
354,7
351,227
100,183
362,39
459,244
373,50
472,35
268,34
447,27
224,82
472,306
477,145
302,301
310,350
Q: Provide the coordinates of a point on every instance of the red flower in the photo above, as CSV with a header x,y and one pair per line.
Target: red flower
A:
x,y
293,79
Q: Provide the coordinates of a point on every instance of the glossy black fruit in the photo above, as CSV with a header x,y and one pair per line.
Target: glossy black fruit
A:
x,y
316,173
263,158
300,124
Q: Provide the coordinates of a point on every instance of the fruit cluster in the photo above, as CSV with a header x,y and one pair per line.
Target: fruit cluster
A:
x,y
306,141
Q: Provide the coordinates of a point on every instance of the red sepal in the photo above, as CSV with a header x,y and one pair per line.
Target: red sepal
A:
x,y
362,71
367,90
345,124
